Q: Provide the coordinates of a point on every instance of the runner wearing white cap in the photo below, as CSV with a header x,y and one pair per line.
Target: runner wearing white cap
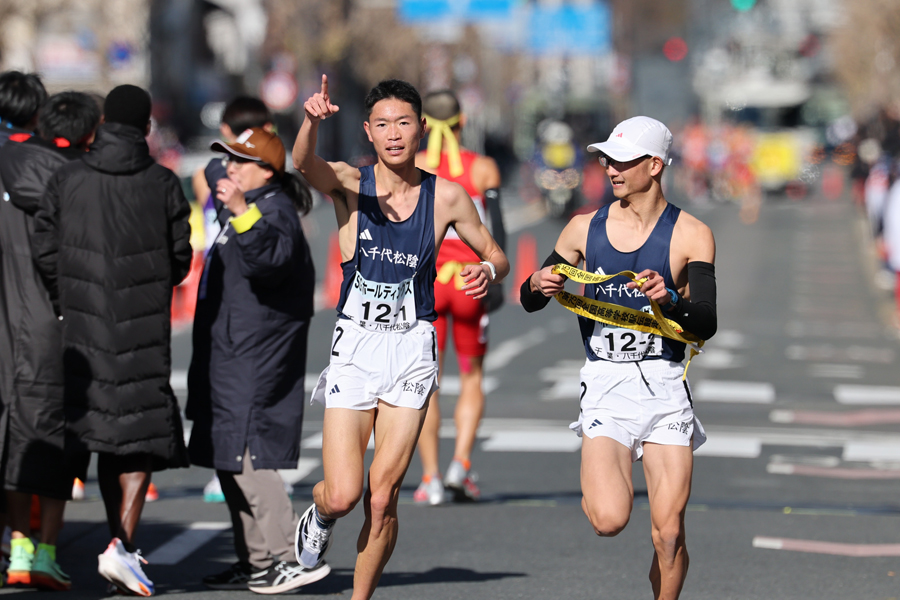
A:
x,y
635,400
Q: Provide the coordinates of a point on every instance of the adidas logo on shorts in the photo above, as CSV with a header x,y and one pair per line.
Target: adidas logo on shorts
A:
x,y
365,235
334,390
596,422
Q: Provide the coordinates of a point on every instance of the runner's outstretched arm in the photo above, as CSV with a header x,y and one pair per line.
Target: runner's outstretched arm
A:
x,y
542,285
464,218
332,179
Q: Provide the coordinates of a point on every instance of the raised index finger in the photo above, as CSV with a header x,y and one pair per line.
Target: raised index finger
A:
x,y
324,84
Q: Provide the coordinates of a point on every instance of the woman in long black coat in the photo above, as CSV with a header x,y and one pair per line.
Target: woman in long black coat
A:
x,y
246,382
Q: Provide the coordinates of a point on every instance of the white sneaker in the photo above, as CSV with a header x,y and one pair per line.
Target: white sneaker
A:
x,y
123,568
430,491
212,491
461,482
312,542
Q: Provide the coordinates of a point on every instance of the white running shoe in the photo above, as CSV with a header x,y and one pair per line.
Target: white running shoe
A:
x,y
430,491
312,542
212,491
123,568
461,482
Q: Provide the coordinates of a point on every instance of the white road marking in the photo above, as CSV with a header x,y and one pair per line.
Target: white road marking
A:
x,y
305,466
185,543
728,339
869,451
734,391
822,371
532,441
450,385
178,380
504,352
833,548
730,446
866,394
824,352
718,358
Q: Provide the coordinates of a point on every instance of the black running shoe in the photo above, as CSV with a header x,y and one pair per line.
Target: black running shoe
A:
x,y
286,576
235,577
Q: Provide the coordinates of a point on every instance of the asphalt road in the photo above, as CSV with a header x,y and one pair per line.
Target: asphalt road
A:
x,y
795,495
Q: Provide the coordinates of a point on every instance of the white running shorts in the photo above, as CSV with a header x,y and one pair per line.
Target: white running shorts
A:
x,y
399,368
634,403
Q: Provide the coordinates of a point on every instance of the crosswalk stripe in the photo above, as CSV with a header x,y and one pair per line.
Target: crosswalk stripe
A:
x,y
532,441
185,543
866,394
305,466
727,446
734,391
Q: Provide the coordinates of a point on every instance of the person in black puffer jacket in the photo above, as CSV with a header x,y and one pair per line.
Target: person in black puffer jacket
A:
x,y
35,460
111,240
246,382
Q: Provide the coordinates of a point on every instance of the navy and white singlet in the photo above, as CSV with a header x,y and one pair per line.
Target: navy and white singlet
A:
x,y
611,343
389,252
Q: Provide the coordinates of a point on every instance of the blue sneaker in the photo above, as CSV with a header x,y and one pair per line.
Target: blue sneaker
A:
x,y
123,569
312,541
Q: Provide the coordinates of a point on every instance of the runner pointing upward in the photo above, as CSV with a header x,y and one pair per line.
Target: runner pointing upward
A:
x,y
391,218
635,401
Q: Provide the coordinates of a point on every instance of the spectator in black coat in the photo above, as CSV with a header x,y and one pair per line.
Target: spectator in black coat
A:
x,y
246,382
21,95
35,460
111,240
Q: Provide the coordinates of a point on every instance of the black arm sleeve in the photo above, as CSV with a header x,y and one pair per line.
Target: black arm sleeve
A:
x,y
698,315
498,231
534,301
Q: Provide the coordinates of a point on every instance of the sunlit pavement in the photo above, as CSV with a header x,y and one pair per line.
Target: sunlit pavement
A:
x,y
795,495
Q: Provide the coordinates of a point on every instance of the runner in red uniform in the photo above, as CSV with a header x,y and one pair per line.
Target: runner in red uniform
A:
x,y
480,177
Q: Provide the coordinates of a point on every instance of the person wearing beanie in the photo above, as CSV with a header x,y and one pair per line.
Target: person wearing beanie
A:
x,y
649,295
111,240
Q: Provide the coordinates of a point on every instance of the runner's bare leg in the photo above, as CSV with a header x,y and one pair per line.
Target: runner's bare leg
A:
x,y
668,473
345,435
396,432
429,440
608,493
469,407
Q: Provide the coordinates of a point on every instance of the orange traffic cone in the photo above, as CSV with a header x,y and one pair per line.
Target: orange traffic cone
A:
x,y
526,264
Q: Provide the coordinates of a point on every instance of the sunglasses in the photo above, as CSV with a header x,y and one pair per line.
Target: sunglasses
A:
x,y
607,161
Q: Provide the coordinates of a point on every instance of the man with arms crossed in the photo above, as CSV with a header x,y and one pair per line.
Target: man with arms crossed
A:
x,y
635,401
392,218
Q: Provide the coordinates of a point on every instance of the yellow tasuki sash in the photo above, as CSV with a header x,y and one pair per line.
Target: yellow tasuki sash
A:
x,y
451,270
622,316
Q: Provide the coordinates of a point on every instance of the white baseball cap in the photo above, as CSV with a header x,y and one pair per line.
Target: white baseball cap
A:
x,y
637,137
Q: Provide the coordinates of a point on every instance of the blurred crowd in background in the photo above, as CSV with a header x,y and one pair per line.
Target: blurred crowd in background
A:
x,y
764,96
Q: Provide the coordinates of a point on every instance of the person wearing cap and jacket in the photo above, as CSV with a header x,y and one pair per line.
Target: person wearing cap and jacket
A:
x,y
635,397
246,380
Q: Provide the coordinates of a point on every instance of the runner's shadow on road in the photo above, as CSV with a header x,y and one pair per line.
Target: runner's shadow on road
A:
x,y
341,580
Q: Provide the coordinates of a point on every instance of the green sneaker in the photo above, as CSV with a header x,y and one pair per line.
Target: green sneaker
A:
x,y
21,557
47,575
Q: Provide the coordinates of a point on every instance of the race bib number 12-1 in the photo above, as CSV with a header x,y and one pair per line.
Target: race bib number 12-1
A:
x,y
381,306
